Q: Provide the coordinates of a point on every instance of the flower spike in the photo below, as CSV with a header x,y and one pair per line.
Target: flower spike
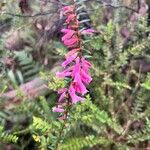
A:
x,y
76,66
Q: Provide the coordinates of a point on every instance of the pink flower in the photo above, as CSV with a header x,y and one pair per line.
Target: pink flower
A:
x,y
69,60
73,95
68,9
62,117
85,77
78,85
71,42
65,73
77,82
88,31
62,97
85,65
68,34
67,30
71,52
70,18
62,90
58,109
77,67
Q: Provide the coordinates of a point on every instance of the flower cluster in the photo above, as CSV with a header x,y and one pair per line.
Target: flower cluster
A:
x,y
76,67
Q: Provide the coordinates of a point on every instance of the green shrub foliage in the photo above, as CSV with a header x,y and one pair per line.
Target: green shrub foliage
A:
x,y
115,114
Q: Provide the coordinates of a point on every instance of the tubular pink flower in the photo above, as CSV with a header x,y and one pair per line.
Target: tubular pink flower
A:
x,y
62,93
73,95
67,30
85,65
62,90
71,52
68,34
78,85
85,77
70,18
88,31
58,109
62,118
65,73
69,60
68,9
71,41
62,97
77,67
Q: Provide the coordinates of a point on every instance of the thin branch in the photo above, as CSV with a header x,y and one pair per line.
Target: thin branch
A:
x,y
31,89
116,7
28,16
47,13
126,129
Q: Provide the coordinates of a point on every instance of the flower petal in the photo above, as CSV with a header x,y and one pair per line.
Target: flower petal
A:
x,y
73,95
77,67
63,74
58,109
85,65
62,90
69,60
85,77
71,41
88,31
78,85
68,35
70,18
67,30
71,52
68,9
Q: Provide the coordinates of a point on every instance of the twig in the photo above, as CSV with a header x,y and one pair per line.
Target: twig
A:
x,y
126,129
27,16
115,6
32,89
47,13
66,113
63,126
60,134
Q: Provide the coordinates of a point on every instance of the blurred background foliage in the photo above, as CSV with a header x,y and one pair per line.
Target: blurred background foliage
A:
x,y
115,114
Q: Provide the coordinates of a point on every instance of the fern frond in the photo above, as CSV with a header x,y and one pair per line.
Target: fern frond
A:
x,y
77,143
89,113
7,137
27,69
140,136
30,106
40,124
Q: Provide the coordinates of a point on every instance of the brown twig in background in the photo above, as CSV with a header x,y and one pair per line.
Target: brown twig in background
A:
x,y
119,6
51,12
28,16
32,89
116,6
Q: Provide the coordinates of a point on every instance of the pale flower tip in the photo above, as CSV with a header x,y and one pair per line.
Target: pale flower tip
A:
x,y
88,31
62,118
62,90
57,109
58,74
77,99
69,60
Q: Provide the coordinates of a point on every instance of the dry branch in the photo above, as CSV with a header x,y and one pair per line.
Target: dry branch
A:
x,y
30,90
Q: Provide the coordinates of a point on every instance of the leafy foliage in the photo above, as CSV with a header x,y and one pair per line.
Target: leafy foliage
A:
x,y
114,115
